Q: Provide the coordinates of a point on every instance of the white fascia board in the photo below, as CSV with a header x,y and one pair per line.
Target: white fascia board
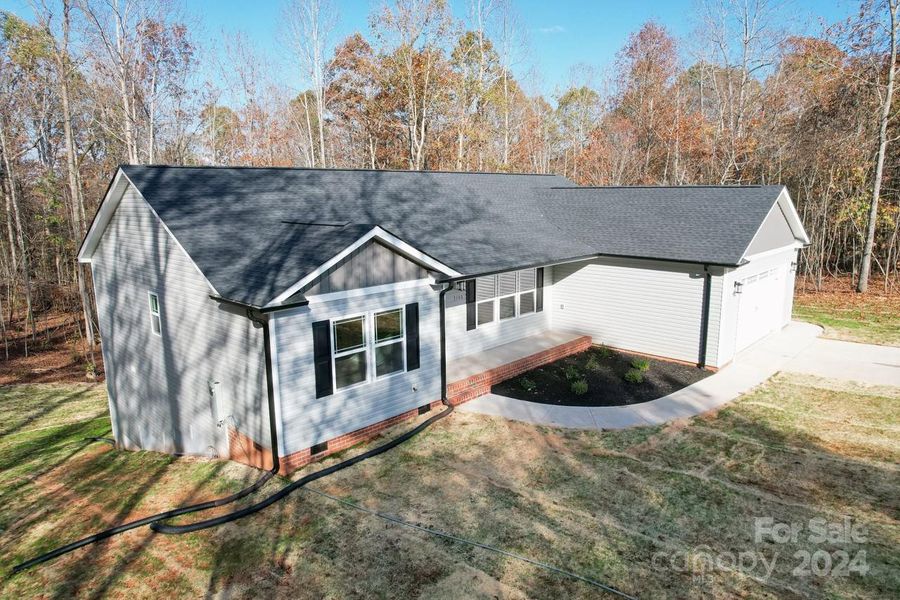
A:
x,y
784,249
105,213
784,203
388,239
794,220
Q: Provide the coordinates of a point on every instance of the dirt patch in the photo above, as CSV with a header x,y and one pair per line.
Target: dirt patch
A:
x,y
597,377
55,354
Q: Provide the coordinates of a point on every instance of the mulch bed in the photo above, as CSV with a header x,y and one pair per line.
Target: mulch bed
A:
x,y
604,371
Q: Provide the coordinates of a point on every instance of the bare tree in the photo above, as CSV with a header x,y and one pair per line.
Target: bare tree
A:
x,y
309,24
886,98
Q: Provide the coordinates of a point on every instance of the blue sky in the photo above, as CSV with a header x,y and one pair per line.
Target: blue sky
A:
x,y
561,33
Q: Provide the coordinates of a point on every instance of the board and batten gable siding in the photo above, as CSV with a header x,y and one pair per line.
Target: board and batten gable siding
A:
x,y
644,306
307,420
462,342
369,265
159,385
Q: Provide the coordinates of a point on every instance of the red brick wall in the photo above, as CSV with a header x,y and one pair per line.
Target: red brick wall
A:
x,y
480,384
302,458
245,450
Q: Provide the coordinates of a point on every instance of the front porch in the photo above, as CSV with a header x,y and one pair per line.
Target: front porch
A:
x,y
473,375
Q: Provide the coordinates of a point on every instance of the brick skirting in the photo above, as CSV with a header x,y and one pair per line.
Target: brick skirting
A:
x,y
480,384
294,461
245,450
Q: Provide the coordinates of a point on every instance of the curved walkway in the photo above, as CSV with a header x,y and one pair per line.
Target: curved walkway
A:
x,y
752,367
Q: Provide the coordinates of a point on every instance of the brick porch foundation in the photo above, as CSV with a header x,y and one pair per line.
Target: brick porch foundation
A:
x,y
245,450
480,384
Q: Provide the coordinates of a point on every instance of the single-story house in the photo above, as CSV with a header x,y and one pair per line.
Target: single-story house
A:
x,y
340,298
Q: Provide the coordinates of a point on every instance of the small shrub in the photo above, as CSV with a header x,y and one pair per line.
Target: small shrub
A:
x,y
572,373
580,387
527,384
634,376
592,364
604,351
641,364
90,371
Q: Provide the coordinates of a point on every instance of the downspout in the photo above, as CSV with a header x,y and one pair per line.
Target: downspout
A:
x,y
704,318
443,314
155,520
299,483
263,321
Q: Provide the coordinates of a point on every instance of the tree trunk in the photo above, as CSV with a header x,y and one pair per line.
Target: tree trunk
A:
x,y
74,178
866,266
21,238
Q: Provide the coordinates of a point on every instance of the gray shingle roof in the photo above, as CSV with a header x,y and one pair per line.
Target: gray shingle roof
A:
x,y
233,222
701,224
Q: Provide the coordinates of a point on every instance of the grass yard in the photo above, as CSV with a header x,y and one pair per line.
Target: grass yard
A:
x,y
871,318
613,506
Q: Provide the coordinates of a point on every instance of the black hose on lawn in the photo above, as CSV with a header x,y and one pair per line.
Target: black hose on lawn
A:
x,y
108,533
295,485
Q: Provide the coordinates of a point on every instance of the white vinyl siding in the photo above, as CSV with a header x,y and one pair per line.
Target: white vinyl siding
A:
x,y
168,391
643,306
494,332
308,420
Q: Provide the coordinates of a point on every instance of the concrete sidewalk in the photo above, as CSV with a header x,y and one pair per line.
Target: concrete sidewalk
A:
x,y
749,369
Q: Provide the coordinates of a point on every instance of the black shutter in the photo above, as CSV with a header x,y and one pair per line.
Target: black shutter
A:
x,y
470,304
539,288
322,357
412,336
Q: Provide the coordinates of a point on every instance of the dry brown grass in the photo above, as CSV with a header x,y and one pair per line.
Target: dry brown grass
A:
x,y
599,504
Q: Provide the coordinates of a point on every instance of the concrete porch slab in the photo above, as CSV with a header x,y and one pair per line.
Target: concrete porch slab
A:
x,y
479,362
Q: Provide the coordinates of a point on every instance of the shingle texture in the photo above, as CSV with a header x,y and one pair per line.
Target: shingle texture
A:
x,y
240,225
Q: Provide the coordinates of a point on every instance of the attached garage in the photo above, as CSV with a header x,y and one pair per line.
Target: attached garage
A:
x,y
704,313
643,306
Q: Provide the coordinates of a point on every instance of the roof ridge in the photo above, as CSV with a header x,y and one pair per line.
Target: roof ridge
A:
x,y
352,169
658,187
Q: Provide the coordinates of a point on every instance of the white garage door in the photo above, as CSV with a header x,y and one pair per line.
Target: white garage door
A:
x,y
760,306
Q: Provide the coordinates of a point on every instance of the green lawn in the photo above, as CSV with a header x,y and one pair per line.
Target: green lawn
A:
x,y
613,506
869,320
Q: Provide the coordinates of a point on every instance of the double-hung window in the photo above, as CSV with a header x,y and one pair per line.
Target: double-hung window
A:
x,y
368,347
155,318
389,342
351,352
485,291
527,284
505,296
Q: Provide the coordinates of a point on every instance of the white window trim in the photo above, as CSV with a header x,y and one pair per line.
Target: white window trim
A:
x,y
397,340
155,314
369,345
517,295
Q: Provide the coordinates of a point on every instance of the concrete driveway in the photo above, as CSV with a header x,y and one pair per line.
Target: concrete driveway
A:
x,y
797,348
834,359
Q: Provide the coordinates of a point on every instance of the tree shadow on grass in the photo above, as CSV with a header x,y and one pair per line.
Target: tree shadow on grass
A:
x,y
561,497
